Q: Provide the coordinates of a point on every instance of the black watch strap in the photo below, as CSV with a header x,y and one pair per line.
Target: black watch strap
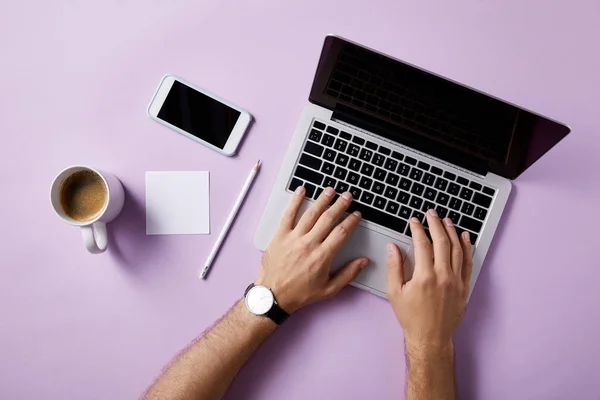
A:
x,y
276,313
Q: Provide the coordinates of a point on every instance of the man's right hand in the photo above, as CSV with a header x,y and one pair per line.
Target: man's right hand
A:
x,y
431,305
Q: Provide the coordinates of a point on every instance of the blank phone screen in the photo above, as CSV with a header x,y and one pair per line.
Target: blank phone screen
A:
x,y
198,114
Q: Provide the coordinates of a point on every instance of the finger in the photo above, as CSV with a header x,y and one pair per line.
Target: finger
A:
x,y
395,269
289,215
338,236
310,216
330,218
345,275
422,248
467,266
441,243
456,252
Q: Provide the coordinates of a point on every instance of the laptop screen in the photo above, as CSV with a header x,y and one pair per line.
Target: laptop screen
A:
x,y
429,113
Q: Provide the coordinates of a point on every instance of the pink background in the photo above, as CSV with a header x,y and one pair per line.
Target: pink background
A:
x,y
76,77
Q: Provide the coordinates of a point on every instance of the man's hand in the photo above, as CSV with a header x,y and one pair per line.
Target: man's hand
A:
x,y
296,263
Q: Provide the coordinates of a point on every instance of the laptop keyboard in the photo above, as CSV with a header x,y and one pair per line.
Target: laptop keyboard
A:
x,y
388,186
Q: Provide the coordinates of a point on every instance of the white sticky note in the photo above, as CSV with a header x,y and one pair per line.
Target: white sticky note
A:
x,y
177,202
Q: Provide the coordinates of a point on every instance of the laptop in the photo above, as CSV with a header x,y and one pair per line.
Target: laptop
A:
x,y
403,140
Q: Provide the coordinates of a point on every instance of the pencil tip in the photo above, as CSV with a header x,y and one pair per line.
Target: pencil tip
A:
x,y
257,165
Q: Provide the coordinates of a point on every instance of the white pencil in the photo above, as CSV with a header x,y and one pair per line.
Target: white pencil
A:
x,y
230,220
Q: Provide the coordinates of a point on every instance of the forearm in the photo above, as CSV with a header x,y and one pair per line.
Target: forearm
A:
x,y
206,368
430,372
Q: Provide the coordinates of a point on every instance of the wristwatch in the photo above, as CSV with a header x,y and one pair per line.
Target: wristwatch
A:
x,y
260,301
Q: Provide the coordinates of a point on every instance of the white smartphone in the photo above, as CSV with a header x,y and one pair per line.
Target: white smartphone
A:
x,y
199,115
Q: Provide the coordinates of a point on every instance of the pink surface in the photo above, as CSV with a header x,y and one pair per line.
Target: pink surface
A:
x,y
75,80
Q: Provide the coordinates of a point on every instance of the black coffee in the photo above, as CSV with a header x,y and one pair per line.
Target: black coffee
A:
x,y
83,195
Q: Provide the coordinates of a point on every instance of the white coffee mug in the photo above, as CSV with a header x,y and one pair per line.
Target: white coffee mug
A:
x,y
93,231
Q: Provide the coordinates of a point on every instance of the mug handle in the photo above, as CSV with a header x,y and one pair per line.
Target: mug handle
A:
x,y
96,242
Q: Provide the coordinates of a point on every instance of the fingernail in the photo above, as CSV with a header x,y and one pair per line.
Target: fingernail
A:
x,y
432,212
391,249
300,190
347,196
467,236
329,191
415,220
364,263
448,221
357,213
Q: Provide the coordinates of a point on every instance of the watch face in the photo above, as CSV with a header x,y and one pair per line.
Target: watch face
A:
x,y
259,300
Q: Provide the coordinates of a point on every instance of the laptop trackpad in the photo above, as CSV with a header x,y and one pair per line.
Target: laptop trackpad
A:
x,y
364,242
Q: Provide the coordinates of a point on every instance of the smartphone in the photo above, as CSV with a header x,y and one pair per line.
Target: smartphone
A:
x,y
199,115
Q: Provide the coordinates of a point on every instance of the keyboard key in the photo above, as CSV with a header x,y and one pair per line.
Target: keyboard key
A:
x,y
378,187
313,148
410,160
310,189
354,164
358,140
310,161
353,178
329,155
379,174
418,214
365,183
482,200
379,202
341,159
462,181
467,208
454,189
449,175
378,159
455,203
466,194
416,174
391,164
365,155
428,179
328,168
332,130
295,182
367,197
403,197
392,179
480,213
442,211
415,202
441,184
315,135
342,187
371,145
391,192
470,224
403,169
384,150
353,150
454,216
405,184
378,217
319,125
328,140
367,169
427,205
340,145
318,193
397,156
308,175
442,199
475,185
423,165
430,194
345,135
417,189
392,207
405,212
329,182
436,170
340,173
355,192
488,190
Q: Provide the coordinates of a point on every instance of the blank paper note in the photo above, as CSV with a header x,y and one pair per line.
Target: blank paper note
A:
x,y
177,202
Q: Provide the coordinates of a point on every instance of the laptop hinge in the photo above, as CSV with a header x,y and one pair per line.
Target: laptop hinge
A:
x,y
411,139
